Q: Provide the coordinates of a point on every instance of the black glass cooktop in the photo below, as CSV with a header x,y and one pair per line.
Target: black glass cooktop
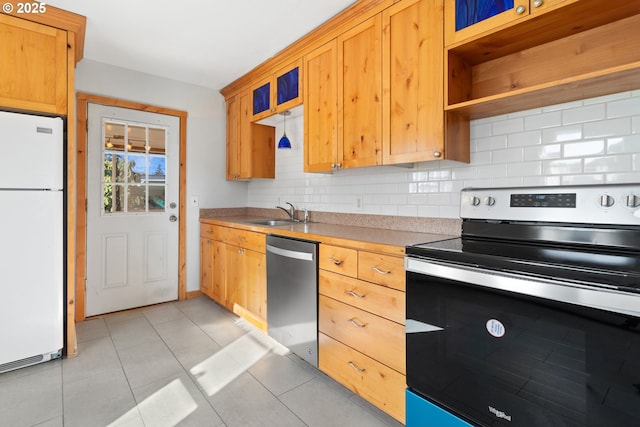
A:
x,y
587,264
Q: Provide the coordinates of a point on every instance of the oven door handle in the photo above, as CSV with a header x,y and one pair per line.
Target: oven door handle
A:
x,y
602,299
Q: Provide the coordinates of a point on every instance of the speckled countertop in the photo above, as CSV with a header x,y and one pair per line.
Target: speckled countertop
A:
x,y
378,232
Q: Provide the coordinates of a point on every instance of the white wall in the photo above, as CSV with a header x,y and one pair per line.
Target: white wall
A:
x,y
205,138
592,141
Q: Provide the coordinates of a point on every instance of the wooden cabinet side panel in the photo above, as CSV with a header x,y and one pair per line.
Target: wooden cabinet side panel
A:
x,y
320,109
360,95
233,137
413,80
33,66
206,266
244,136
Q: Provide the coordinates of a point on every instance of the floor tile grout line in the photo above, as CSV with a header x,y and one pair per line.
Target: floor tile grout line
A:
x,y
184,369
124,372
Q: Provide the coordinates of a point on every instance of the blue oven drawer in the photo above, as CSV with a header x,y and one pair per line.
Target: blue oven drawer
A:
x,y
422,413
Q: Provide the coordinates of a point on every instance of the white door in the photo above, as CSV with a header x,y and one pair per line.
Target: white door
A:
x,y
132,209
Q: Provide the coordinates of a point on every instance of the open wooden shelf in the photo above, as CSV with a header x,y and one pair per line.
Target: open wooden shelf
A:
x,y
529,72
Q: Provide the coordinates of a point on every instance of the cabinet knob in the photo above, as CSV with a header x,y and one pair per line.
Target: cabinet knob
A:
x,y
537,3
437,154
339,165
520,10
333,165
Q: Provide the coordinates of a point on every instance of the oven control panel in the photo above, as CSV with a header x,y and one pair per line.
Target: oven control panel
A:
x,y
596,204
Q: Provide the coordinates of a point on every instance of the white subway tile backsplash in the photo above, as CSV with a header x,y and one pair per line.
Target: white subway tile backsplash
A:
x,y
480,130
623,144
583,142
524,139
492,143
604,128
616,163
624,107
562,166
524,169
583,179
508,156
562,134
625,177
584,148
587,113
540,152
544,120
505,127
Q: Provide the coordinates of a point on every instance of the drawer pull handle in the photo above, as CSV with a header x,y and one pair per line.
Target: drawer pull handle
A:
x,y
358,324
377,270
335,261
355,367
355,294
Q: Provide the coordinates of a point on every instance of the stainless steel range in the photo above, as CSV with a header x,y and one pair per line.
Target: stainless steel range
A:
x,y
532,317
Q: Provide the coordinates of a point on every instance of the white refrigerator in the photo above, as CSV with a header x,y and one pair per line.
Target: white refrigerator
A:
x,y
31,239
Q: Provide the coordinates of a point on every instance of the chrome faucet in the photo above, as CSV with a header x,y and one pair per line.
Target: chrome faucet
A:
x,y
291,211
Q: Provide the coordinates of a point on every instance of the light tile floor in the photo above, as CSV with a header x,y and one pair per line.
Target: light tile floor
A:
x,y
187,363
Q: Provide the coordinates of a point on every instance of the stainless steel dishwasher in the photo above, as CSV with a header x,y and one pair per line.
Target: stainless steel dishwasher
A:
x,y
292,295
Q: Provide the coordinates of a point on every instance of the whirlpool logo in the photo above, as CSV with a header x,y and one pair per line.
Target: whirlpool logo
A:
x,y
499,414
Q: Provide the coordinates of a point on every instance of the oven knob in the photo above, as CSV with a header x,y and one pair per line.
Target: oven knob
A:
x,y
633,201
473,200
607,201
489,201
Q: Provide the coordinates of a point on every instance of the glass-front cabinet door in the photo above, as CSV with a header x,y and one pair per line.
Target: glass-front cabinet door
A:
x,y
468,18
278,92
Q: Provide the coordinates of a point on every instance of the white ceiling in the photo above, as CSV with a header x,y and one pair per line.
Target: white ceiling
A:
x,y
207,43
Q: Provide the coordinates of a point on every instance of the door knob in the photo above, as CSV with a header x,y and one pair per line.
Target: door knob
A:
x,y
173,218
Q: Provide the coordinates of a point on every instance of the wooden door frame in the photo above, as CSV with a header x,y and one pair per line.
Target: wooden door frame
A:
x,y
83,101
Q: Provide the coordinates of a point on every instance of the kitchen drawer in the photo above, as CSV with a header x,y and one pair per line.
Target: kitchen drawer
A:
x,y
206,230
382,269
339,260
375,382
242,238
376,299
377,337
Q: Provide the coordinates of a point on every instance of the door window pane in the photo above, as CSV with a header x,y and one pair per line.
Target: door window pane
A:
x,y
134,162
156,198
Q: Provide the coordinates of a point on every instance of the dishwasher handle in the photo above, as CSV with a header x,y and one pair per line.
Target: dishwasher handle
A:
x,y
287,253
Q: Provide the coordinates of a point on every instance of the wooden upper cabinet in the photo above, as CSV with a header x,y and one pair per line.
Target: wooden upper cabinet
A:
x,y
343,100
360,95
412,78
33,66
321,108
465,19
278,92
250,146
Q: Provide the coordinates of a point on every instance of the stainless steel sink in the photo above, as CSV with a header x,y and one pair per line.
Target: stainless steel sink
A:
x,y
271,222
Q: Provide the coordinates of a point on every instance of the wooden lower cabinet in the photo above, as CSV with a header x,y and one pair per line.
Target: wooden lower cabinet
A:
x,y
372,380
361,316
233,271
373,335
